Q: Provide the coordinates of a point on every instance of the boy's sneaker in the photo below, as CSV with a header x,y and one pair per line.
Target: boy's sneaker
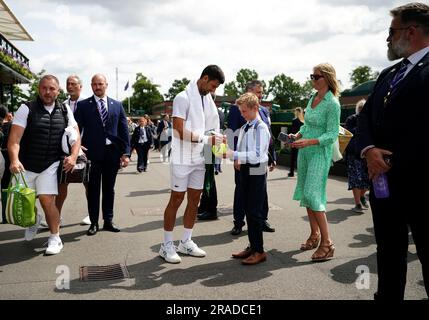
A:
x,y
365,204
31,232
54,246
357,208
168,253
190,248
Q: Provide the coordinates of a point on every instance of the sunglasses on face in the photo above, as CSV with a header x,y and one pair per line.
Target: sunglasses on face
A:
x,y
393,30
315,76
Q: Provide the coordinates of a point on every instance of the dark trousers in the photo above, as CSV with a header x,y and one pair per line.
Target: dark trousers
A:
x,y
208,202
155,144
103,175
5,184
293,159
253,191
142,152
238,208
392,217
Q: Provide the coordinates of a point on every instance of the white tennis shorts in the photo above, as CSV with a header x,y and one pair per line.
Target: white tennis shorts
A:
x,y
184,177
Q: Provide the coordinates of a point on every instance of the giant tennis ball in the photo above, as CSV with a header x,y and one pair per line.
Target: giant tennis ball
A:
x,y
219,150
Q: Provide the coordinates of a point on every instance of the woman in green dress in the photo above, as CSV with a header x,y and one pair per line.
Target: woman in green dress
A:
x,y
315,139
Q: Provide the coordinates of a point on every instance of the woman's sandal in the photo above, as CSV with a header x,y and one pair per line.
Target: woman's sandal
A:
x,y
327,254
311,243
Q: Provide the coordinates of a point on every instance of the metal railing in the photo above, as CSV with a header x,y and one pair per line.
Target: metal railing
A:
x,y
9,49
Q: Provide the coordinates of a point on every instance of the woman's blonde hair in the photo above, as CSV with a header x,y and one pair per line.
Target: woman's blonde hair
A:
x,y
300,113
330,76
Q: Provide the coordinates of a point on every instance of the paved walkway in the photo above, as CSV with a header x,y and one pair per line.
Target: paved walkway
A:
x,y
140,201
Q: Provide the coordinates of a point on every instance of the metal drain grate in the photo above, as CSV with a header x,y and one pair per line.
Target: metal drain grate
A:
x,y
103,273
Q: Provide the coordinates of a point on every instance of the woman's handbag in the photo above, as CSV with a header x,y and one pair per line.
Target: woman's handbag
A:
x,y
21,203
344,137
340,145
80,173
336,153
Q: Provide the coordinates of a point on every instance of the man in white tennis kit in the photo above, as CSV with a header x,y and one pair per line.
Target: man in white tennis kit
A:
x,y
35,149
195,121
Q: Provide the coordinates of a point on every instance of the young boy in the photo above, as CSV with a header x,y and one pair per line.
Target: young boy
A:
x,y
251,159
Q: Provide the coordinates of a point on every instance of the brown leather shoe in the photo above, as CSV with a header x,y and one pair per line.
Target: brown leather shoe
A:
x,y
243,254
255,258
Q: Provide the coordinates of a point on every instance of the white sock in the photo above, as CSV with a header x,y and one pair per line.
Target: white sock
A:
x,y
55,236
187,234
168,237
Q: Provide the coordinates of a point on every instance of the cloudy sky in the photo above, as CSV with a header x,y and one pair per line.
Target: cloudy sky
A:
x,y
172,39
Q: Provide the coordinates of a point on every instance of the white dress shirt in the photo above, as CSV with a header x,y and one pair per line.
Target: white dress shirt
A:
x,y
97,99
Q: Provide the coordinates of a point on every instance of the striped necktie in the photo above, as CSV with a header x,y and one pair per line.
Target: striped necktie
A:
x,y
103,112
400,75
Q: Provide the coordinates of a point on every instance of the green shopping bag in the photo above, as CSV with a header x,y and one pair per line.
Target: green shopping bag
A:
x,y
21,203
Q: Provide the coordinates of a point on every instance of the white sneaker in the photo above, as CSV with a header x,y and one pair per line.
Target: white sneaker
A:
x,y
54,246
44,224
86,221
190,248
168,252
31,232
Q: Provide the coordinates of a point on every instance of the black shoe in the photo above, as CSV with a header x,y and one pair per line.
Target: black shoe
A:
x,y
93,229
290,174
238,228
216,172
109,226
207,216
267,228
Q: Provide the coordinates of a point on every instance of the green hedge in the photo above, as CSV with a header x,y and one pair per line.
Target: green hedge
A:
x,y
11,63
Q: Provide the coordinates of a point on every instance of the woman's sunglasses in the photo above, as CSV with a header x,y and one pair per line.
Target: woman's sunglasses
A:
x,y
315,76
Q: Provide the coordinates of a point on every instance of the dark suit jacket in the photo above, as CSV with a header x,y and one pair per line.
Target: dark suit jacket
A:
x,y
235,122
94,135
221,119
161,127
296,125
388,126
351,125
136,136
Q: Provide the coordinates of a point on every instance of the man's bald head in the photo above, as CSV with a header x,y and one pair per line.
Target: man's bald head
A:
x,y
99,85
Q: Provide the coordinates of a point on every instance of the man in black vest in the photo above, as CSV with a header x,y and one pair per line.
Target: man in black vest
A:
x,y
34,148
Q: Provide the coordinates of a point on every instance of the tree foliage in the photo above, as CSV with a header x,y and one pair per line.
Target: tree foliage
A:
x,y
18,98
145,95
289,93
177,87
237,88
362,74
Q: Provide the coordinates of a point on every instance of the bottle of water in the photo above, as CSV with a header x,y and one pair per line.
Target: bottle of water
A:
x,y
381,186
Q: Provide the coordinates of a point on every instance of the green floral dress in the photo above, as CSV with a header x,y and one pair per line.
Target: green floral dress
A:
x,y
314,162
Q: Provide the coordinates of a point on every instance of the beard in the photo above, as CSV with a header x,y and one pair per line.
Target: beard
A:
x,y
397,50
